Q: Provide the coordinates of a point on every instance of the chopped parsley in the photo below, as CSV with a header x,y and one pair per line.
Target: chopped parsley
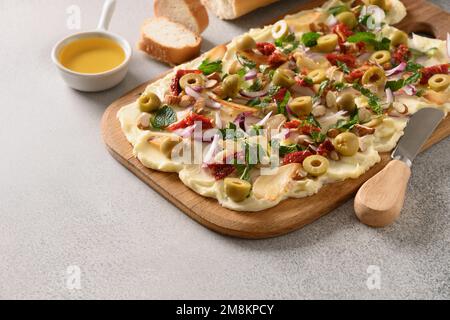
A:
x,y
283,104
348,124
396,85
373,100
288,43
309,39
284,150
322,87
343,67
318,137
209,67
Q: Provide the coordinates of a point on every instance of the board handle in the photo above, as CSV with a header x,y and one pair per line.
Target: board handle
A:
x,y
379,201
107,12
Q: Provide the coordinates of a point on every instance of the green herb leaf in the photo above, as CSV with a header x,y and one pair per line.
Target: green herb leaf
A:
x,y
164,117
343,67
256,86
309,39
318,137
282,105
348,125
370,39
322,87
288,43
374,101
245,62
208,67
411,66
312,121
396,85
284,150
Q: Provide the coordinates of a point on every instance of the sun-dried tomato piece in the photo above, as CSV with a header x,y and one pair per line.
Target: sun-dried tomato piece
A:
x,y
296,157
276,59
354,74
265,48
342,31
190,120
293,124
175,84
348,59
221,170
428,72
279,96
401,54
325,148
308,129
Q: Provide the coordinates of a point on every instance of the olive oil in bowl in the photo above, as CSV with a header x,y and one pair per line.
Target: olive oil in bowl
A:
x,y
92,55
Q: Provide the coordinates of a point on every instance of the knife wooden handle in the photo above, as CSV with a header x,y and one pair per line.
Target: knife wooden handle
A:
x,y
379,201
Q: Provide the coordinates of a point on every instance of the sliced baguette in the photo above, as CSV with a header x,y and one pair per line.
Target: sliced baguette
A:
x,y
232,9
190,13
169,41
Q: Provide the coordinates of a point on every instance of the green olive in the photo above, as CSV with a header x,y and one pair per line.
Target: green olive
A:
x,y
149,102
347,144
375,76
301,106
327,43
237,189
317,76
245,43
347,18
380,3
398,38
167,146
381,57
230,86
282,79
439,82
280,29
346,101
316,165
192,80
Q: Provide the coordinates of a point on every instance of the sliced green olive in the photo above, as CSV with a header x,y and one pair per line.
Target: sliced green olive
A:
x,y
301,106
327,43
316,165
374,76
346,101
282,79
398,38
230,86
439,82
245,43
347,144
380,3
381,57
237,189
167,146
280,29
192,80
347,18
149,102
317,76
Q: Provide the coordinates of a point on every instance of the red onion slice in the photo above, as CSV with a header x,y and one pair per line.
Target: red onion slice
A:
x,y
389,96
255,94
410,90
251,75
211,83
218,121
265,119
331,21
185,132
448,45
400,68
212,149
212,104
191,92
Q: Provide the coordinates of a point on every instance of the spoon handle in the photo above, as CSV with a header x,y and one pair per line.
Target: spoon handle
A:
x,y
379,201
107,13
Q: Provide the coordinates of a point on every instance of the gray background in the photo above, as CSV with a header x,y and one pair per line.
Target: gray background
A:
x,y
65,201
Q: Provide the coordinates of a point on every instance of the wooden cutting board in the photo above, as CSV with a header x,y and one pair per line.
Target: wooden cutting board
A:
x,y
290,214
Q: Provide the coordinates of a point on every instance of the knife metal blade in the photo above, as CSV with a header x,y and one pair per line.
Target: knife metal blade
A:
x,y
420,127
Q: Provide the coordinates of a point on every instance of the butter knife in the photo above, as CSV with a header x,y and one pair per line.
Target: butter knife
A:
x,y
380,199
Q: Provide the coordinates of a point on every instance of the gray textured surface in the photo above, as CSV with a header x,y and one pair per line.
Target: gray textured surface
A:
x,y
64,201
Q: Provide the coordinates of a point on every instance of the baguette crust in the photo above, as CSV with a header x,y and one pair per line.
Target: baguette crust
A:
x,y
170,55
239,7
196,8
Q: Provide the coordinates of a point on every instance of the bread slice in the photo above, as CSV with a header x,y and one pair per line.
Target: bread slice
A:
x,y
169,41
190,13
232,9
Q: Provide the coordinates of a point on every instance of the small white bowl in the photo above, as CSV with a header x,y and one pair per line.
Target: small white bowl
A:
x,y
97,81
